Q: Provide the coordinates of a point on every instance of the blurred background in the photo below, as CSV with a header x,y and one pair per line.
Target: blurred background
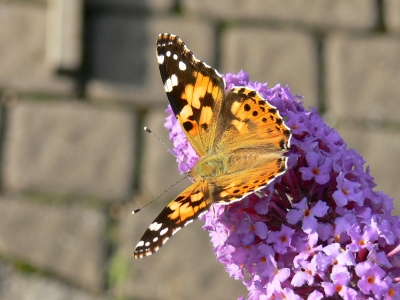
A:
x,y
79,80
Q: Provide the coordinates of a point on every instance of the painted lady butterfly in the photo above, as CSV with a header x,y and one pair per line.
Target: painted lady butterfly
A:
x,y
240,138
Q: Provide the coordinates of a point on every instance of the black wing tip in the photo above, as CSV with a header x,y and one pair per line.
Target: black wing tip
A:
x,y
163,37
145,248
167,34
142,252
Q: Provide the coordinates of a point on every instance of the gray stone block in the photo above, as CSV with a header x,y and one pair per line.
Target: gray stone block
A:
x,y
70,148
392,15
16,285
65,240
22,55
362,77
380,149
184,268
64,34
123,60
153,5
273,56
322,13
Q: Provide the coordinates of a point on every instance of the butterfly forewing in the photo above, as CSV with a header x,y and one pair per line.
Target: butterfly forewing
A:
x,y
195,91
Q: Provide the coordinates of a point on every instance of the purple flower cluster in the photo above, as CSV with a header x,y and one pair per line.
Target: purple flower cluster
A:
x,y
319,231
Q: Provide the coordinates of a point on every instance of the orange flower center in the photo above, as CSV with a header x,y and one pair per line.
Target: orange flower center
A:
x,y
370,279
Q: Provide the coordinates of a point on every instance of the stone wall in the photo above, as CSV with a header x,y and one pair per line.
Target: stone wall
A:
x,y
78,81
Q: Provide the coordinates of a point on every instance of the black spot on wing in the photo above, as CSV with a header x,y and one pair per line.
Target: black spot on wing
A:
x,y
272,110
187,126
252,94
207,100
282,144
205,126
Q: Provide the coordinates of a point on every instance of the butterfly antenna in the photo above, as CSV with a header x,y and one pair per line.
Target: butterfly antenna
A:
x,y
139,209
147,129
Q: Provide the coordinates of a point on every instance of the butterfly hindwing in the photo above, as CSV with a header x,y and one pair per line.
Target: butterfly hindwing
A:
x,y
195,91
255,138
250,122
232,188
181,211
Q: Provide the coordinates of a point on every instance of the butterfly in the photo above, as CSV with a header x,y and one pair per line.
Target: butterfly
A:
x,y
241,140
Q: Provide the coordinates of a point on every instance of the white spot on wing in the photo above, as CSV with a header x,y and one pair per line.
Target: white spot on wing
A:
x,y
160,59
140,244
147,244
168,85
182,66
175,56
164,231
155,226
168,53
174,80
155,239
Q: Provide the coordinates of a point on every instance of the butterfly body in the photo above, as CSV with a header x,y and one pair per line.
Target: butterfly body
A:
x,y
240,139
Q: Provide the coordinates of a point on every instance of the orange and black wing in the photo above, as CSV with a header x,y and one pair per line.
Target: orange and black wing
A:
x,y
254,137
180,212
194,89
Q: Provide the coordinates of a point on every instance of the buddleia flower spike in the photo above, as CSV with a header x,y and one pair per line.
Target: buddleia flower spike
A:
x,y
318,231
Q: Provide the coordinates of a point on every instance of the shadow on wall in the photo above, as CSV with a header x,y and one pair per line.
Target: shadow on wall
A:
x,y
116,47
